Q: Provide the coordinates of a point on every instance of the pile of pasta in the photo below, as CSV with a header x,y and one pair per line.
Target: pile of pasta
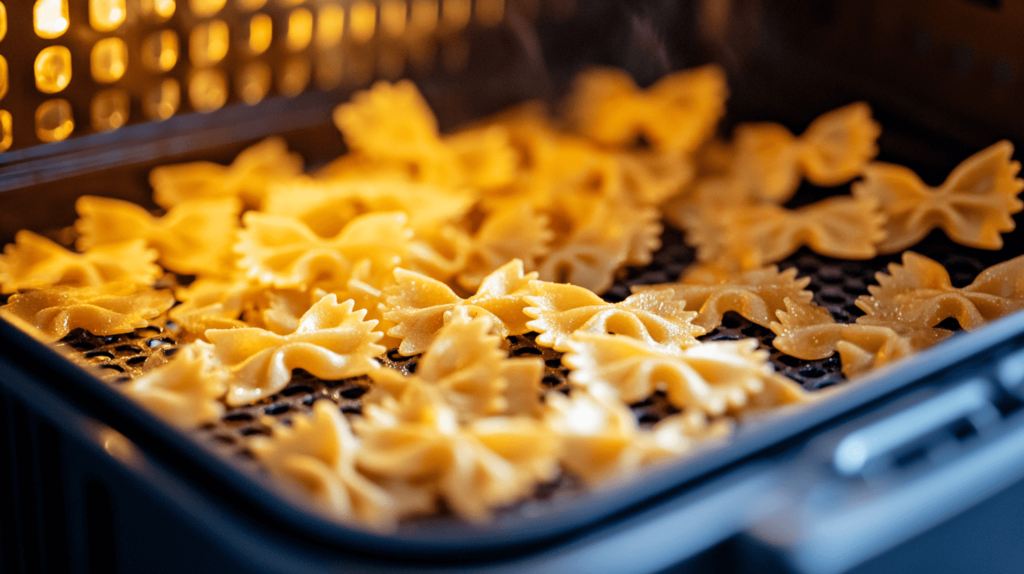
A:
x,y
442,246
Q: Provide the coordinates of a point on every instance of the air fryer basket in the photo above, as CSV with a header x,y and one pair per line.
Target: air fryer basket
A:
x,y
936,78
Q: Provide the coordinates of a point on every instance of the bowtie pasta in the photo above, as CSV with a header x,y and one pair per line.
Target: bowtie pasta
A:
x,y
462,253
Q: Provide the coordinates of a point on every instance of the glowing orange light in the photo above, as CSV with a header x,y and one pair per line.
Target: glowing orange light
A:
x,y
330,26
254,82
208,43
362,21
4,78
300,29
160,51
6,130
455,13
162,101
3,21
158,10
53,69
208,90
261,33
294,76
423,16
106,15
54,120
109,60
490,12
109,110
50,18
204,8
392,17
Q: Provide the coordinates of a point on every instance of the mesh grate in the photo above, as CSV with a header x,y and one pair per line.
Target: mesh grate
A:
x,y
836,284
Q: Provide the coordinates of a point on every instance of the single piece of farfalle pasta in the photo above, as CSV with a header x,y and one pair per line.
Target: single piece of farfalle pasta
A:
x,y
185,390
676,114
595,238
656,317
751,236
247,178
283,252
919,292
834,149
327,205
419,306
973,206
755,295
195,237
650,178
316,455
519,232
811,333
214,303
331,342
467,363
34,262
714,378
415,442
109,309
600,438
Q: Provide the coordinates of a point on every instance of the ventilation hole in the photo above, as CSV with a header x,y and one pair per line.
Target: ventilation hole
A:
x,y
238,417
99,354
136,361
296,390
353,392
117,368
250,431
833,299
731,321
153,343
553,363
527,351
790,361
225,439
354,409
812,372
551,381
170,352
82,345
274,410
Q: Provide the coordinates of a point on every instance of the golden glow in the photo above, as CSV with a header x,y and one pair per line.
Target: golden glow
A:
x,y
204,8
423,16
158,10
109,60
50,18
455,13
300,29
294,76
261,33
53,69
160,51
54,120
392,17
162,101
251,5
109,110
253,82
6,130
208,90
4,78
329,70
362,21
490,12
330,26
208,43
106,15
3,21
